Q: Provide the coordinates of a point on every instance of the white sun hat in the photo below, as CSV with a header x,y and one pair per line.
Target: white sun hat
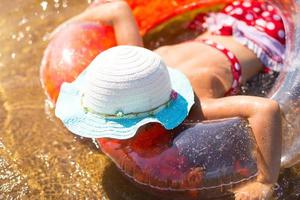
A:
x,y
122,89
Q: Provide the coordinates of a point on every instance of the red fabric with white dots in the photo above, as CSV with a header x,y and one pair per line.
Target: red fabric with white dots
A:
x,y
255,24
262,16
235,66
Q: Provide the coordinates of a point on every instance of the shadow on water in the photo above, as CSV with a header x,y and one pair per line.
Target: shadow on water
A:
x,y
125,189
38,157
120,188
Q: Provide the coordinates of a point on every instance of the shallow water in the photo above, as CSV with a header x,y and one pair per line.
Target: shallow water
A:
x,y
39,158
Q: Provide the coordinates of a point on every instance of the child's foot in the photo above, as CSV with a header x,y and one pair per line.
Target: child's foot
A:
x,y
254,191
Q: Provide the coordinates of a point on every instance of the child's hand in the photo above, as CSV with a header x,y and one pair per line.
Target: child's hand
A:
x,y
254,191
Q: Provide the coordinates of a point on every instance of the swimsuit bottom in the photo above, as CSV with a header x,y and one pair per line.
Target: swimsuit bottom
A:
x,y
235,65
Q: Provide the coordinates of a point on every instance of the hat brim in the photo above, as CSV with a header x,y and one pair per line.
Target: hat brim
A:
x,y
86,124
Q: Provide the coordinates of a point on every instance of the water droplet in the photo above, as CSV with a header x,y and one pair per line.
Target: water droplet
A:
x,y
218,137
46,37
13,55
20,36
44,5
65,4
56,5
24,20
27,28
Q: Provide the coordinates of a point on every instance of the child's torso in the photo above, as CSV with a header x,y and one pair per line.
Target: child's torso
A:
x,y
201,64
208,69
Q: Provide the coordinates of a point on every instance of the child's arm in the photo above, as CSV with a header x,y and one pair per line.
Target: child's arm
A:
x,y
115,13
265,120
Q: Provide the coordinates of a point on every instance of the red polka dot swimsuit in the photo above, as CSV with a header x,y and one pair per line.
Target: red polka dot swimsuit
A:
x,y
257,25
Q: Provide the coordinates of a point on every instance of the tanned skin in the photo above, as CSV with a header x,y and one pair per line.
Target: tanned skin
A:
x,y
210,76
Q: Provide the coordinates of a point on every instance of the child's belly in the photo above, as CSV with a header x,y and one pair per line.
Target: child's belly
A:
x,y
199,63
